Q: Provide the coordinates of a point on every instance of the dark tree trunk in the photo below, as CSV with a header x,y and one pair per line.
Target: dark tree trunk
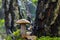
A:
x,y
6,16
39,25
56,25
11,10
44,16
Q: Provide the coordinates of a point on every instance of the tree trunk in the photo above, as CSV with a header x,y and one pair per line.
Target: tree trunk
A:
x,y
44,16
56,25
11,10
6,16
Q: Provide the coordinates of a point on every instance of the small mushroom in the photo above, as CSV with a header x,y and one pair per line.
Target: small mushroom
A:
x,y
23,23
28,33
31,37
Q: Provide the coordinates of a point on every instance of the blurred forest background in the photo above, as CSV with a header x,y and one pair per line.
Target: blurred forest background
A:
x,y
44,17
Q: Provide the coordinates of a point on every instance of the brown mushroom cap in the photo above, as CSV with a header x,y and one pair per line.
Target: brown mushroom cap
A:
x,y
23,21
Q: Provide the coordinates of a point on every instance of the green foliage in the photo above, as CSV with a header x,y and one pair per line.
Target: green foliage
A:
x,y
48,38
2,25
8,38
15,34
2,22
35,1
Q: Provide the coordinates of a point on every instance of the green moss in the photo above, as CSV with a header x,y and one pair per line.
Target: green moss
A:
x,y
48,38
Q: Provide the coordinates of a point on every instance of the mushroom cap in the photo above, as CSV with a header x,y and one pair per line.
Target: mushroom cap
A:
x,y
28,33
23,21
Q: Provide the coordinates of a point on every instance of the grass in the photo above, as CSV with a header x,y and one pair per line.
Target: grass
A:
x,y
48,38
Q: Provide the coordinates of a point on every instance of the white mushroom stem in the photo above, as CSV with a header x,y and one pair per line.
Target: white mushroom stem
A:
x,y
23,30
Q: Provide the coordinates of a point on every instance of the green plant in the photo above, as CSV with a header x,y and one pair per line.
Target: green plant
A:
x,y
2,22
8,38
48,38
34,1
16,35
2,29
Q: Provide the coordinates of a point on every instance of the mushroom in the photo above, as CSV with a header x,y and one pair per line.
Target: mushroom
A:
x,y
28,33
31,37
23,23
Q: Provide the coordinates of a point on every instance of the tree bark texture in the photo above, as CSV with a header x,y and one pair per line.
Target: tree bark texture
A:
x,y
44,16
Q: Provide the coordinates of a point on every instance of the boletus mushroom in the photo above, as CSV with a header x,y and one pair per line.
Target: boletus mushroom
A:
x,y
23,23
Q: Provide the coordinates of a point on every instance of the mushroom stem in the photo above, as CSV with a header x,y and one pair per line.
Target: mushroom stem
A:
x,y
23,30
